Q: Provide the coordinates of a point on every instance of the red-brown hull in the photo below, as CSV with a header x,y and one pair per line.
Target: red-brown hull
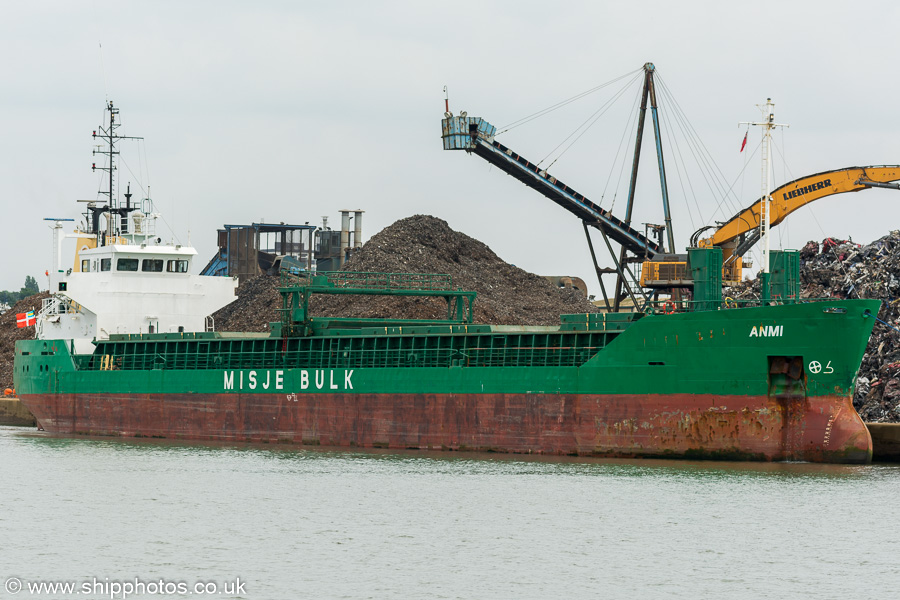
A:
x,y
677,425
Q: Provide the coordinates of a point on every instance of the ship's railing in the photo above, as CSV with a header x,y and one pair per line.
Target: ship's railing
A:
x,y
679,306
370,281
523,350
57,305
388,358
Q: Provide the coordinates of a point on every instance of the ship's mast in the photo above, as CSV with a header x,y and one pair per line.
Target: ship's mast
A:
x,y
109,135
768,124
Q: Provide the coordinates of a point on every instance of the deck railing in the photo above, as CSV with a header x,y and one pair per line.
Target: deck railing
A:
x,y
371,281
490,350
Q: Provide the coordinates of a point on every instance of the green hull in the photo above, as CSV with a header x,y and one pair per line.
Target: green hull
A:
x,y
768,383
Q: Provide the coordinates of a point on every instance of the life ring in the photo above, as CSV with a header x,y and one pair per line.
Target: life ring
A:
x,y
669,307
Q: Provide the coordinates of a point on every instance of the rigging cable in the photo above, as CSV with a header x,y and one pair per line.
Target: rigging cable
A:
x,y
701,155
558,105
137,179
711,164
678,159
695,146
743,175
746,161
630,127
869,315
615,161
587,124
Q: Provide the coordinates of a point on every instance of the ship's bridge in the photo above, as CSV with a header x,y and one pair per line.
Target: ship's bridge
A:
x,y
125,287
128,258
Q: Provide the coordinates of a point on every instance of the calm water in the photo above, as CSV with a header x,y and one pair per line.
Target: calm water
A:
x,y
317,524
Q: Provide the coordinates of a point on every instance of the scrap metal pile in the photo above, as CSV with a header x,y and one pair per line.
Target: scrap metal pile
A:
x,y
844,269
507,295
9,333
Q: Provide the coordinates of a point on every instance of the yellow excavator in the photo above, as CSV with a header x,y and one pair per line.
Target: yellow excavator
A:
x,y
737,235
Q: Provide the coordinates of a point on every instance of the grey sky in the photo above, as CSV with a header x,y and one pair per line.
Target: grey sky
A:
x,y
287,111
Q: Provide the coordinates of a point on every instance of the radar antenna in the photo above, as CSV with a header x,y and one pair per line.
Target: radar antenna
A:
x,y
110,137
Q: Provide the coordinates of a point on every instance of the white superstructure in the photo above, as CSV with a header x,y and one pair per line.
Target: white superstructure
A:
x,y
124,278
130,288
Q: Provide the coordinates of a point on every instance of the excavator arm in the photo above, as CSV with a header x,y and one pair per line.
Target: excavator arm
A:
x,y
736,236
791,196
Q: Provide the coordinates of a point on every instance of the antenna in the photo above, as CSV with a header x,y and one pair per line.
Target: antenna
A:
x,y
110,137
103,71
447,103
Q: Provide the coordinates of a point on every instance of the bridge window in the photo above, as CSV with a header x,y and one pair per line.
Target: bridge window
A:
x,y
127,264
85,265
177,266
105,264
152,265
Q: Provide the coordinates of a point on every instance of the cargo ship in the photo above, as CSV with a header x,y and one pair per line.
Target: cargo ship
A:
x,y
692,374
751,383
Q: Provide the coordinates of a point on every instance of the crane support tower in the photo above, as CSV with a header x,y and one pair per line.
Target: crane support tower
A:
x,y
661,268
475,135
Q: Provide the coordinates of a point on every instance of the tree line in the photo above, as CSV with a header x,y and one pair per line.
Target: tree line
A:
x,y
29,289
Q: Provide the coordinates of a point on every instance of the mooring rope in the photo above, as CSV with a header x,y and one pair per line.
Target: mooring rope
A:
x,y
868,314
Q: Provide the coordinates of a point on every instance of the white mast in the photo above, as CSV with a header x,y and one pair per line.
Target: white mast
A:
x,y
768,124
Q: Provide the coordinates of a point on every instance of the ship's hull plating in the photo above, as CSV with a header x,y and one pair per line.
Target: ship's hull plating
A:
x,y
825,428
771,383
